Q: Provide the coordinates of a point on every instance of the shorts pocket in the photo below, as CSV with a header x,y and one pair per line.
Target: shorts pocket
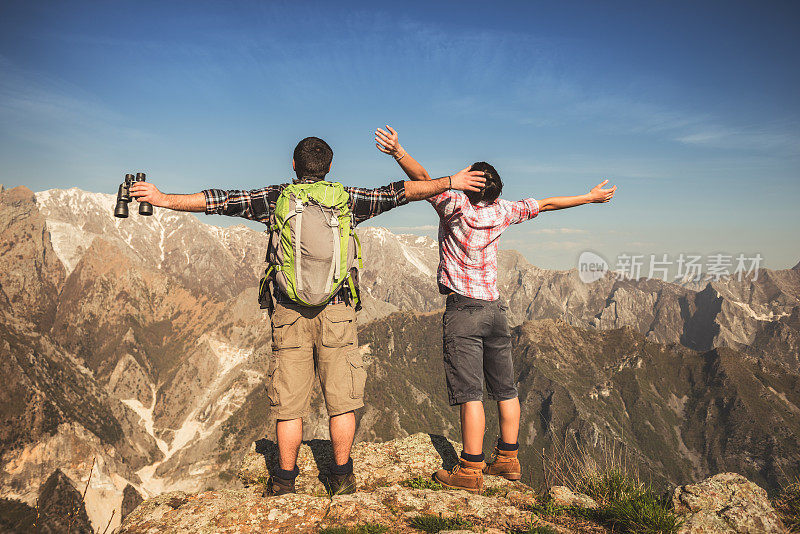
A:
x,y
450,374
286,329
272,381
358,375
338,326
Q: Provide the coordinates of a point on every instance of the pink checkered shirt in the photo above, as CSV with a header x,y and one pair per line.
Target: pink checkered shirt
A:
x,y
468,237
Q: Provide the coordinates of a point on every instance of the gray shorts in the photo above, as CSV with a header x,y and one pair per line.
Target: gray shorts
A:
x,y
477,346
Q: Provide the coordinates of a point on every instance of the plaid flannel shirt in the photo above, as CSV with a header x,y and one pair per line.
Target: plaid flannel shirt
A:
x,y
259,204
468,236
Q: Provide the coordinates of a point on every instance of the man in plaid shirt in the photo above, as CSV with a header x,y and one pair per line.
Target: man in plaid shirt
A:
x,y
476,335
308,341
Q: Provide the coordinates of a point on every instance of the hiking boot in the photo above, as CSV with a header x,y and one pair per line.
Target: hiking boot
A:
x,y
341,484
465,476
278,486
505,464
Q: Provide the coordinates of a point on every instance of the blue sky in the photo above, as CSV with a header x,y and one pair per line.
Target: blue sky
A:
x,y
691,108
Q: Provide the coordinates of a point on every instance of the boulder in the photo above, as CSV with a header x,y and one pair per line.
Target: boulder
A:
x,y
563,496
725,503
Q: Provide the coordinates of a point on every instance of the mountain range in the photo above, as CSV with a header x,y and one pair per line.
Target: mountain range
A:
x,y
138,343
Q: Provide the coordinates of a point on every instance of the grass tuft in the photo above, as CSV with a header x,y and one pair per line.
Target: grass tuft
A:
x,y
636,511
788,506
625,502
364,528
549,509
421,482
435,523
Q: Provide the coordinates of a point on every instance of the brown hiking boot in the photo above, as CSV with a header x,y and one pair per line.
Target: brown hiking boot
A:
x,y
505,465
341,484
278,486
465,476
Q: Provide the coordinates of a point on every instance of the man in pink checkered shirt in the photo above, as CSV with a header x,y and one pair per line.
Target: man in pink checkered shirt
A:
x,y
476,335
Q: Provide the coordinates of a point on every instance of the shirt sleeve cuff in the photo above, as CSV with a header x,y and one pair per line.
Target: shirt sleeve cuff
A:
x,y
215,199
533,205
400,191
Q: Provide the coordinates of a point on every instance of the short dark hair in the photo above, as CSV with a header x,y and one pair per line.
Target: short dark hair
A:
x,y
493,187
312,158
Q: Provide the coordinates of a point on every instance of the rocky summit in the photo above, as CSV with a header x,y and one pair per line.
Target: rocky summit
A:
x,y
394,491
384,495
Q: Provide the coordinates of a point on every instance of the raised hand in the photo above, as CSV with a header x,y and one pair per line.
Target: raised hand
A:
x,y
467,180
599,195
147,192
387,142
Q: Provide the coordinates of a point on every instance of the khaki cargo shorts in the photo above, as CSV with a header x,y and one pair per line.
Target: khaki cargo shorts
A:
x,y
308,339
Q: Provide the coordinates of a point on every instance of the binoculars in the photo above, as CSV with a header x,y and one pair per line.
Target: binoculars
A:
x,y
124,197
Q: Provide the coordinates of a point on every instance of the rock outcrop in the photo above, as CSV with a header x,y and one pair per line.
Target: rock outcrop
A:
x,y
384,495
394,488
725,503
563,496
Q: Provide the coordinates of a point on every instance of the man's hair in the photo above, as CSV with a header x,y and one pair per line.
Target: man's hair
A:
x,y
493,187
312,158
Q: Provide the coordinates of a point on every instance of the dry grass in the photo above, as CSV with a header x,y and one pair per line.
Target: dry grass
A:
x,y
74,513
788,505
606,474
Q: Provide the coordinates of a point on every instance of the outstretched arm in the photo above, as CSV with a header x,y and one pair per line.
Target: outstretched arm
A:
x,y
253,204
597,194
367,203
147,192
463,180
388,144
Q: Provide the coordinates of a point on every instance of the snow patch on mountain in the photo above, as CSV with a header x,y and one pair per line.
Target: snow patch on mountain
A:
x,y
412,257
69,243
771,316
146,416
228,356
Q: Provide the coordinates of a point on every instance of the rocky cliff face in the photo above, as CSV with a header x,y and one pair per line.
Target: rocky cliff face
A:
x,y
30,271
138,342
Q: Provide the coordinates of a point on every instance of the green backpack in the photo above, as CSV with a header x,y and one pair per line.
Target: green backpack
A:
x,y
312,245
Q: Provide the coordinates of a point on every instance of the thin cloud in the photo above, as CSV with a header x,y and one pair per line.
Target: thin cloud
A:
x,y
52,113
729,138
559,231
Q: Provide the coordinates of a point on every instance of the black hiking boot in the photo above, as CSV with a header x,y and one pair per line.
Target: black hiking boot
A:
x,y
278,486
341,484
